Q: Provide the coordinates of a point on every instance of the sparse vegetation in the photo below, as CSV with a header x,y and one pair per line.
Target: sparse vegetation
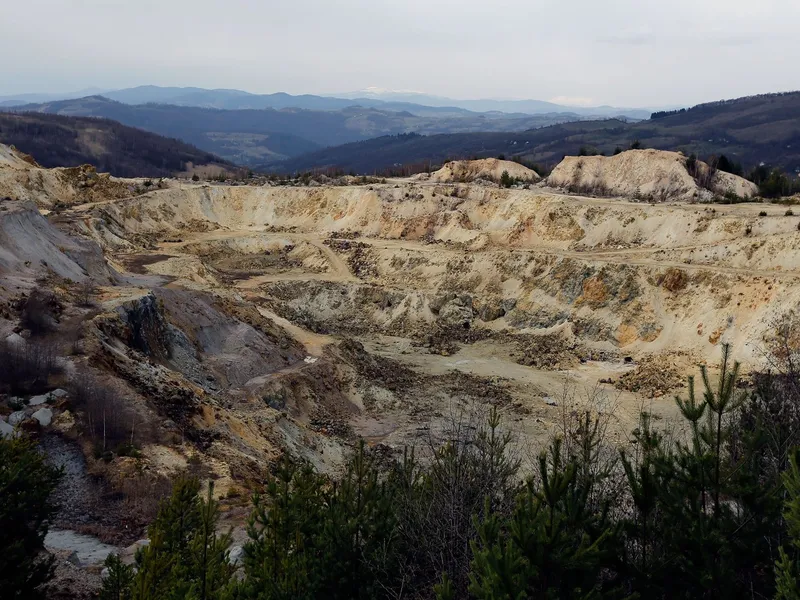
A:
x,y
27,368
108,417
39,312
664,519
86,291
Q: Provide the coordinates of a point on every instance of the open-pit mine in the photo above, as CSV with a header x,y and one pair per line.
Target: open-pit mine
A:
x,y
245,321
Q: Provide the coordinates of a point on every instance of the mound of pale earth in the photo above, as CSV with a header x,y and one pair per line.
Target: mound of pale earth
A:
x,y
465,171
30,244
10,157
646,174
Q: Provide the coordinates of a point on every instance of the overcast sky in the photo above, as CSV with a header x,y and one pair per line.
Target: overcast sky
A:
x,y
620,52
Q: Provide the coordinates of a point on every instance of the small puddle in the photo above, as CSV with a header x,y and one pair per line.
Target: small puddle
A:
x,y
88,550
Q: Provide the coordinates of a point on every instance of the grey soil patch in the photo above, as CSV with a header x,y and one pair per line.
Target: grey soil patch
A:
x,y
136,263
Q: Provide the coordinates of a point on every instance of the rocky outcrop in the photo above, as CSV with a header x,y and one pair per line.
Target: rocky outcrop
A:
x,y
648,175
487,169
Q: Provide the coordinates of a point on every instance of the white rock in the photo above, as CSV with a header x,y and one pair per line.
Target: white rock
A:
x,y
550,402
44,416
6,430
48,397
17,417
15,339
38,400
236,556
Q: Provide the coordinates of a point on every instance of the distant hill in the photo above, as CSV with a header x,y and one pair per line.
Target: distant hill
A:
x,y
267,136
415,103
747,130
61,141
531,107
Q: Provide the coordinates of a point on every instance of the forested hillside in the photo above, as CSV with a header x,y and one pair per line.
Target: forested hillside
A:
x,y
749,131
60,141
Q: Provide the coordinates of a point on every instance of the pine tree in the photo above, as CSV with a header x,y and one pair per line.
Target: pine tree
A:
x,y
553,546
312,538
281,559
210,571
186,558
358,537
787,568
701,517
117,584
26,485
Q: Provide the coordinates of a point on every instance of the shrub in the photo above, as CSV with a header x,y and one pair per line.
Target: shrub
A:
x,y
86,291
39,312
195,177
506,180
108,415
589,151
691,165
723,163
763,213
636,145
788,213
774,183
27,368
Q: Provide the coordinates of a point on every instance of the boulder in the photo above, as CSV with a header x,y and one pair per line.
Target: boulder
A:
x,y
437,302
508,305
456,314
6,430
17,417
15,339
64,421
38,400
44,416
492,312
49,397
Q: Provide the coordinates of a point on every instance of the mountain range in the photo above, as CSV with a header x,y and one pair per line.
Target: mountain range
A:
x,y
748,131
283,133
414,102
265,136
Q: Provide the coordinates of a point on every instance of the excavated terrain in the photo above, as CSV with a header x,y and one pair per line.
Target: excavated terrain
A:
x,y
249,321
